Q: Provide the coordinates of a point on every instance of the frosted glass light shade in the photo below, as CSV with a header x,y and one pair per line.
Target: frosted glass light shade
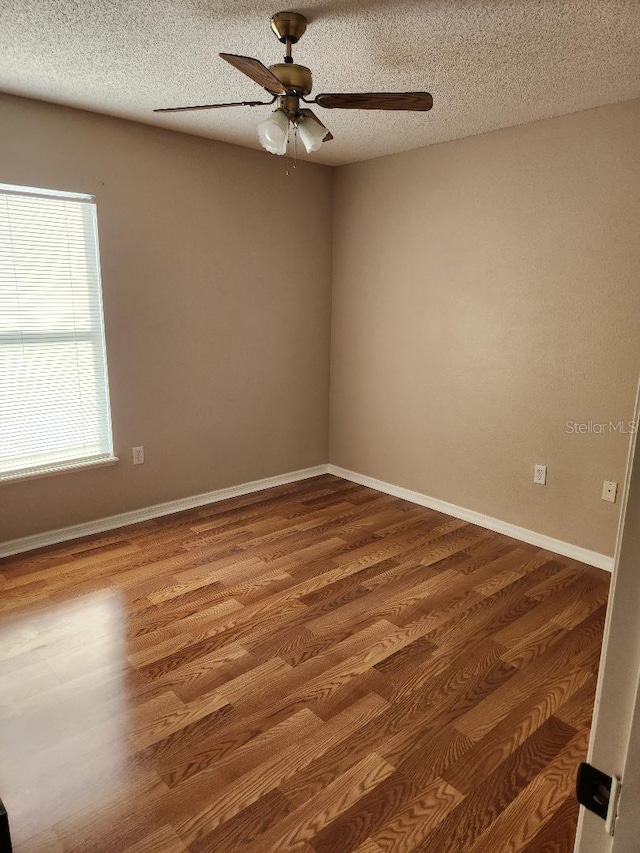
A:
x,y
311,133
273,132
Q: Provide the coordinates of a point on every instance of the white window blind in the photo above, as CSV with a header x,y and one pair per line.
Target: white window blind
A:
x,y
54,398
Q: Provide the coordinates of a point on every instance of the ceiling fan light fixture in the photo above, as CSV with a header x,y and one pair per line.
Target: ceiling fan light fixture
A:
x,y
311,134
274,132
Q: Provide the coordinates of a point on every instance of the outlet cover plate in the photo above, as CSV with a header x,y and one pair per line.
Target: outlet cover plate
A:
x,y
540,475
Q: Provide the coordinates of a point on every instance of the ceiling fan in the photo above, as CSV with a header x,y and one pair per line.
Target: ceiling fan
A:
x,y
290,83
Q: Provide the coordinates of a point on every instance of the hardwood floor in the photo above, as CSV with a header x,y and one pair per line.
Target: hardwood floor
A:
x,y
318,667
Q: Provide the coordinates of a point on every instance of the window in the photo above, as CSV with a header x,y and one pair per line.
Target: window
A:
x,y
54,398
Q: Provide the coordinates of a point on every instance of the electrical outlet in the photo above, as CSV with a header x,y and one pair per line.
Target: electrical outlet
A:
x,y
609,491
540,475
138,455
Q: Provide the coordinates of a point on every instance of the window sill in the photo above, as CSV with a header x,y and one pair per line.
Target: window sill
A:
x,y
54,470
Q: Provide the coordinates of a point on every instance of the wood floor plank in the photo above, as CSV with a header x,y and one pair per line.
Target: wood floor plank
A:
x,y
481,810
418,818
301,826
317,668
368,846
524,817
490,751
572,652
576,710
243,758
556,835
235,834
277,769
163,840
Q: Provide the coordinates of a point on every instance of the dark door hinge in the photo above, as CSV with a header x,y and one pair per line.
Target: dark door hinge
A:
x,y
5,838
599,793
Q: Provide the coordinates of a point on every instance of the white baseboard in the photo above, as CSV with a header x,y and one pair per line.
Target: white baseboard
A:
x,y
566,549
64,534
101,525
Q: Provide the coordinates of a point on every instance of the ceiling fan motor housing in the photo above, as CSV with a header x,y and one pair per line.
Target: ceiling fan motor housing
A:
x,y
293,76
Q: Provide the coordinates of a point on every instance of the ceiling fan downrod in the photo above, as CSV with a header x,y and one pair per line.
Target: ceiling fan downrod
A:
x,y
289,27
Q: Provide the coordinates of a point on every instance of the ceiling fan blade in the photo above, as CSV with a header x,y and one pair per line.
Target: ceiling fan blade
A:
x,y
214,106
421,101
310,114
257,71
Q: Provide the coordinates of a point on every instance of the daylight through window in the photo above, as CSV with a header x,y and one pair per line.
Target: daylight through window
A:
x,y
54,399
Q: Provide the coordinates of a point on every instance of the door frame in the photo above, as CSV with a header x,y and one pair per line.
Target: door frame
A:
x,y
614,714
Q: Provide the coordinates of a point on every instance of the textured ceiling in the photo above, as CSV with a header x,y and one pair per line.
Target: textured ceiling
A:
x,y
488,63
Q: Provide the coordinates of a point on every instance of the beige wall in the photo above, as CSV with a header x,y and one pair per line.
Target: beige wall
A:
x,y
485,291
218,350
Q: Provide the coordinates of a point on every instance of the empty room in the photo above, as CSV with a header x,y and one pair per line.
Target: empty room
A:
x,y
319,358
